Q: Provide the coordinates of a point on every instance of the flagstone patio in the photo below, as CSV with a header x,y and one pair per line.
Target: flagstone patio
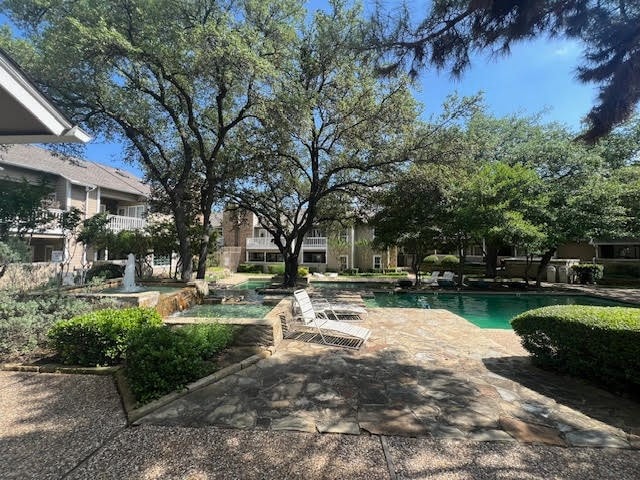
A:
x,y
423,373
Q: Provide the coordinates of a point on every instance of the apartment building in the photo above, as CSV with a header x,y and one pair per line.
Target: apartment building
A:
x,y
88,186
246,241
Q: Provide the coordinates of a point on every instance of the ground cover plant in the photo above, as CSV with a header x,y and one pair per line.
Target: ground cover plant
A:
x,y
597,343
25,320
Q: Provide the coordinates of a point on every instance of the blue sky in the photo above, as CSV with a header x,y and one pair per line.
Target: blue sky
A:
x,y
537,76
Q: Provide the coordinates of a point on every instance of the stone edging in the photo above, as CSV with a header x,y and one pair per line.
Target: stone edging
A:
x,y
56,368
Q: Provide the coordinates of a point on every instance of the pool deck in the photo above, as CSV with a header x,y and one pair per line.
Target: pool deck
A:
x,y
423,373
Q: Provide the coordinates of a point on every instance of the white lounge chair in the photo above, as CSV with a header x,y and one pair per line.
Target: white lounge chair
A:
x,y
337,311
433,279
330,332
447,280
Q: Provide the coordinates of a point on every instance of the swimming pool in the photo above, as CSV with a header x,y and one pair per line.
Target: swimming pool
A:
x,y
252,284
485,311
350,285
227,310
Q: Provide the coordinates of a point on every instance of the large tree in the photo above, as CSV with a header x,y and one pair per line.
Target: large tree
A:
x,y
170,79
333,129
452,30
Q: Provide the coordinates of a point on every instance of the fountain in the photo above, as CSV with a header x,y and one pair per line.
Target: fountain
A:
x,y
129,280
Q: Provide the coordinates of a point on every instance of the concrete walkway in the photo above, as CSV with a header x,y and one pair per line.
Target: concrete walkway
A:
x,y
423,373
72,427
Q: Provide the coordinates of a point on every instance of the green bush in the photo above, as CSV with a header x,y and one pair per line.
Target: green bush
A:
x,y
26,319
431,260
99,338
599,343
450,260
303,272
275,269
105,270
161,360
249,268
588,272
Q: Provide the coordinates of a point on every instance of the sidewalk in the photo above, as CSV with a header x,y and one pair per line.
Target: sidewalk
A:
x,y
72,427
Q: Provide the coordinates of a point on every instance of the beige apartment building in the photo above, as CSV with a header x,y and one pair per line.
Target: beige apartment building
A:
x,y
88,186
246,241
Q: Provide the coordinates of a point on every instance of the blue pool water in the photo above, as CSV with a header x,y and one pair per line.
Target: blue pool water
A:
x,y
485,311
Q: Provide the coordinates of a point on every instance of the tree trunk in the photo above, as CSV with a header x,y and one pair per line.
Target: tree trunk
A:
x,y
491,265
415,267
184,244
290,269
463,257
544,261
204,244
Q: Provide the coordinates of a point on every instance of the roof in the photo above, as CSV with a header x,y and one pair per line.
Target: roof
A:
x,y
28,115
76,170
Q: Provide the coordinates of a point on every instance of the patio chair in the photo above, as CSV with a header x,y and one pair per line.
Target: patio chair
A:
x,y
337,311
432,279
315,324
447,280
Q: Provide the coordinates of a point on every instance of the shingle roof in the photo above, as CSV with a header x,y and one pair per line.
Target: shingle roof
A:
x,y
76,170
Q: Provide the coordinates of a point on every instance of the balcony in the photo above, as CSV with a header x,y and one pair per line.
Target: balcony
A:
x,y
119,222
315,242
261,243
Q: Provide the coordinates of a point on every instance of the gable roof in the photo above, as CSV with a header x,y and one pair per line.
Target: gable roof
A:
x,y
76,170
28,115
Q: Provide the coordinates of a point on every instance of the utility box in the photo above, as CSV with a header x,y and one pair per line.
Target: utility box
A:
x,y
551,274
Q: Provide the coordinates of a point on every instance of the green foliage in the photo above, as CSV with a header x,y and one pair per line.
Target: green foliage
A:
x,y
599,343
249,268
105,270
26,319
95,231
588,272
99,338
275,269
450,261
303,272
14,250
22,207
431,260
160,360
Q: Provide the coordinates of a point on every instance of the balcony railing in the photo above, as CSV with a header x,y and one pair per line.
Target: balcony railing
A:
x,y
119,222
314,242
261,243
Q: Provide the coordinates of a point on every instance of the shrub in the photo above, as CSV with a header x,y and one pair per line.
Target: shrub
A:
x,y
431,260
99,338
450,260
160,360
249,268
588,272
303,271
275,269
105,270
26,319
599,343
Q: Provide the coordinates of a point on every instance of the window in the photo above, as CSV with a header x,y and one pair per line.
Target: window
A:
x,y
256,256
274,257
344,236
343,262
135,211
314,257
377,262
161,260
316,232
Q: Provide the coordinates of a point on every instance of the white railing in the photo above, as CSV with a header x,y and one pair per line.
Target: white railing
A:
x,y
261,243
315,242
119,222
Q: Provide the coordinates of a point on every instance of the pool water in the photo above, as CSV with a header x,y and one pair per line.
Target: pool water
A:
x,y
485,311
252,284
227,310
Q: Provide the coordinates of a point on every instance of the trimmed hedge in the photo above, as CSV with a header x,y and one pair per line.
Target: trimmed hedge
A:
x,y
249,268
588,272
161,360
101,337
598,343
431,260
105,270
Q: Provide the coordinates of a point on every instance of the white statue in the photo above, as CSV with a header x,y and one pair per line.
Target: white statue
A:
x,y
129,280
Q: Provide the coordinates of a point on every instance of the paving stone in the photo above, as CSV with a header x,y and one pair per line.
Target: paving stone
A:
x,y
490,435
469,418
389,421
298,423
507,395
447,431
595,438
531,433
350,427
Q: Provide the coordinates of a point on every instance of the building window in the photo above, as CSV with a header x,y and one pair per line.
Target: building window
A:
x,y
135,211
377,262
344,236
343,262
161,260
274,257
316,232
314,257
256,256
